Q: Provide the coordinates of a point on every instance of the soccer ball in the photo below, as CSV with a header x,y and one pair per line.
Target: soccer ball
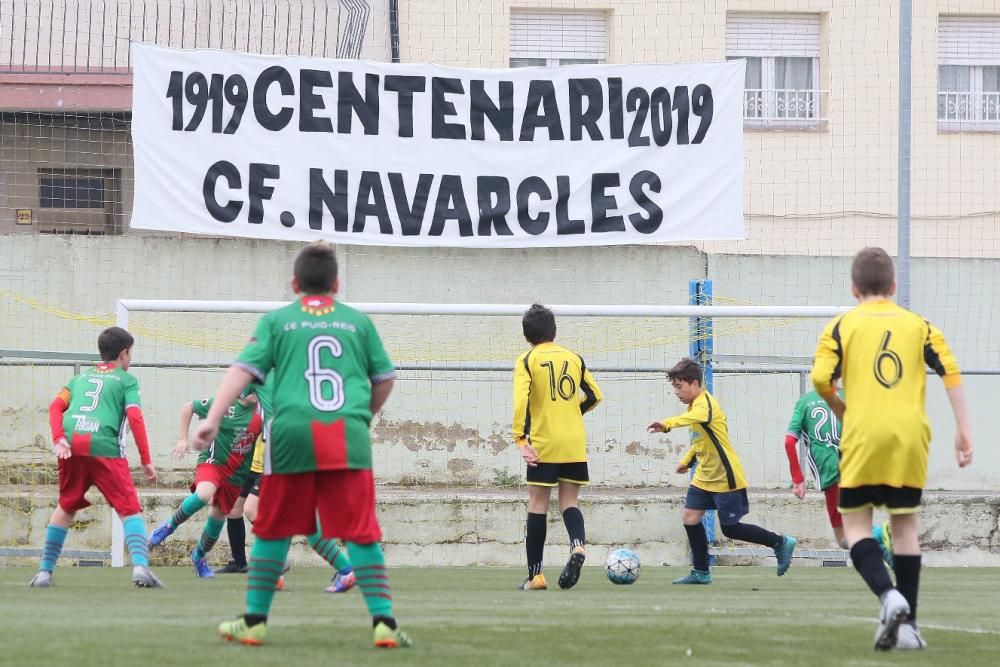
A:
x,y
623,566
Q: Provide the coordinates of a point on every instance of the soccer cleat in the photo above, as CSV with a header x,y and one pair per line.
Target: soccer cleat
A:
x,y
571,573
909,638
342,582
159,534
232,567
894,611
783,553
883,536
201,568
238,630
41,580
703,577
386,637
143,577
536,583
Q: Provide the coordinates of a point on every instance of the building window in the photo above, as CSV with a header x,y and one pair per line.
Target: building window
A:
x,y
70,191
782,76
540,39
79,200
969,73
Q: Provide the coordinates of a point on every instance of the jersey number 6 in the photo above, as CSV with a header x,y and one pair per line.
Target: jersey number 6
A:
x,y
326,386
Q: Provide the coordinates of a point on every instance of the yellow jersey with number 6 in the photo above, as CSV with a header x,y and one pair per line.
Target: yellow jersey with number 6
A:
x,y
552,391
880,352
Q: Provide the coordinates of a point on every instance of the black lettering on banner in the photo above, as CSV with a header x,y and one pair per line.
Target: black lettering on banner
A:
x,y
661,116
450,205
441,108
541,110
350,103
651,223
601,203
616,116
638,102
228,171
237,94
533,185
411,216
580,118
703,106
196,93
175,93
309,101
265,117
565,226
501,115
215,95
258,190
493,214
404,87
682,106
366,204
321,197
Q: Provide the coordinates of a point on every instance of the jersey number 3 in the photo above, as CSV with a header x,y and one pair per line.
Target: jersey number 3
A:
x,y
326,386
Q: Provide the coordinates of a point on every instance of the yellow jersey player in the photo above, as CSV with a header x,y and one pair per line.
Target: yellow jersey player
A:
x,y
878,351
718,482
552,391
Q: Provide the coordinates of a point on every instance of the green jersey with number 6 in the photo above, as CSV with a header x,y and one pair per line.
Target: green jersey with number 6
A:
x,y
94,422
814,422
320,359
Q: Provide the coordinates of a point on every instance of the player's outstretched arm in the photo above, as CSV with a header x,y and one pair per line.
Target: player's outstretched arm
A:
x,y
58,406
233,383
798,479
963,433
181,448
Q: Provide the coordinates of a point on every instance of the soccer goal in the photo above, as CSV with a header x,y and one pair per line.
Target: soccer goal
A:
x,y
448,421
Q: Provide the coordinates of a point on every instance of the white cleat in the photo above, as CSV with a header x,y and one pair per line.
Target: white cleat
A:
x,y
41,580
143,577
894,611
910,638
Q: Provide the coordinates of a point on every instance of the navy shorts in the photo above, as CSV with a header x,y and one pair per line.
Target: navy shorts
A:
x,y
731,505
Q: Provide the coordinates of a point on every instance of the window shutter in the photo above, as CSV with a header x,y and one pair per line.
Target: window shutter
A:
x,y
558,35
772,35
969,40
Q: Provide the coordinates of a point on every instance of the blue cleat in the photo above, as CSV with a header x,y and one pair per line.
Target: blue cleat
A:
x,y
783,553
159,534
696,577
201,568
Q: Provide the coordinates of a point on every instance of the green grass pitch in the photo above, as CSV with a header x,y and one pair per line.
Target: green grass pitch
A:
x,y
474,616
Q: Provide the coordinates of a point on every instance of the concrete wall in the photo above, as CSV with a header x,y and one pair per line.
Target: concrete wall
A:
x,y
452,427
450,527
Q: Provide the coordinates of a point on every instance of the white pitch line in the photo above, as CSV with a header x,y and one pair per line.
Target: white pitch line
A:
x,y
926,626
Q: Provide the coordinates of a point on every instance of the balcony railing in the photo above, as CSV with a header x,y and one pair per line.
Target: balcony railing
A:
x,y
969,110
782,107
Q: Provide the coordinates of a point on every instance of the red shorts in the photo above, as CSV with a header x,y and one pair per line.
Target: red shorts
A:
x,y
343,499
226,494
832,494
111,477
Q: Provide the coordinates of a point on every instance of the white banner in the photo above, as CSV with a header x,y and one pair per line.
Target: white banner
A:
x,y
294,148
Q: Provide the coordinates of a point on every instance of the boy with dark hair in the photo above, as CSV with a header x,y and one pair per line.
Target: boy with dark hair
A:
x,y
879,350
87,418
221,472
552,391
718,481
330,374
